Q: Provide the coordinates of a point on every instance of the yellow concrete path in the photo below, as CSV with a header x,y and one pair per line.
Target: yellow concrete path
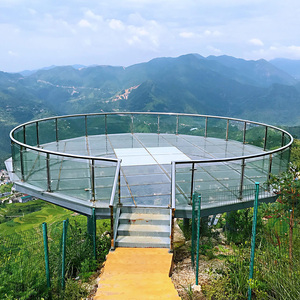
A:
x,y
137,273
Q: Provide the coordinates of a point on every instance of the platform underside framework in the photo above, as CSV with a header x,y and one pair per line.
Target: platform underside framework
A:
x,y
146,173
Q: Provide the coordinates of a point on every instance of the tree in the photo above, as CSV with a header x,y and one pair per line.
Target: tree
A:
x,y
287,186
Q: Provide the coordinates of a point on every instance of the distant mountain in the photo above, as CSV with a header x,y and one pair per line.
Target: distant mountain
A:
x,y
227,86
30,72
290,66
256,72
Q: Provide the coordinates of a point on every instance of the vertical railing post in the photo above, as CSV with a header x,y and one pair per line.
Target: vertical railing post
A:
x,y
270,170
132,129
112,242
177,124
192,183
86,126
22,163
282,139
205,130
266,137
244,133
46,252
158,129
119,186
37,134
93,179
48,172
105,120
242,179
56,130
172,212
253,239
24,134
227,129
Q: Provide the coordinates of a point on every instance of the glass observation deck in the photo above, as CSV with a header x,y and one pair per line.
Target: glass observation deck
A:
x,y
100,160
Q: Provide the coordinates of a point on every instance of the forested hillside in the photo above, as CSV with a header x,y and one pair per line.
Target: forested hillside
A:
x,y
255,90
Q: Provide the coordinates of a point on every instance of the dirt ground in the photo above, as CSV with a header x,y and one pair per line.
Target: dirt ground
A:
x,y
183,276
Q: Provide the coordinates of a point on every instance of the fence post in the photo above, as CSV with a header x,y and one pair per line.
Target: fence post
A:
x,y
46,251
63,261
94,233
253,238
93,179
193,231
198,238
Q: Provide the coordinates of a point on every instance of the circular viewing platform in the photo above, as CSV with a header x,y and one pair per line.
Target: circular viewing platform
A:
x,y
98,160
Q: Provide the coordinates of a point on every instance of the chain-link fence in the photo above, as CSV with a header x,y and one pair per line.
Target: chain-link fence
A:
x,y
22,259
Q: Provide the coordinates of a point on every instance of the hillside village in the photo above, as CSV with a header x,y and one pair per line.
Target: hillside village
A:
x,y
11,196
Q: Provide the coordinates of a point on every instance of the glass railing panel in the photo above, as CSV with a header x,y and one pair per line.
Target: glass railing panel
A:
x,y
16,159
104,174
145,123
47,131
35,168
217,182
168,124
31,134
183,176
19,134
257,170
71,177
96,124
71,127
119,124
191,125
255,135
216,128
274,139
236,130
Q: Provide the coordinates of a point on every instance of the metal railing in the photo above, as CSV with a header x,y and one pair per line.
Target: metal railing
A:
x,y
32,138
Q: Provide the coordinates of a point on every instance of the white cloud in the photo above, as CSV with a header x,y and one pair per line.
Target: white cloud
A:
x,y
212,33
91,15
256,42
274,51
116,24
214,50
187,35
12,53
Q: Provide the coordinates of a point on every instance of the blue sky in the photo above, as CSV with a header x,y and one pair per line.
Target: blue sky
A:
x,y
39,33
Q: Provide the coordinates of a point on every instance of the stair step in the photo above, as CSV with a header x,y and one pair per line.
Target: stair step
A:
x,y
144,230
137,218
145,210
142,242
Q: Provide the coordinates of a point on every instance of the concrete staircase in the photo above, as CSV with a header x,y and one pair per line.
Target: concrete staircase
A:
x,y
143,228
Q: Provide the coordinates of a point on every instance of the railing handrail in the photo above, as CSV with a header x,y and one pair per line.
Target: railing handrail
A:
x,y
148,113
113,192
